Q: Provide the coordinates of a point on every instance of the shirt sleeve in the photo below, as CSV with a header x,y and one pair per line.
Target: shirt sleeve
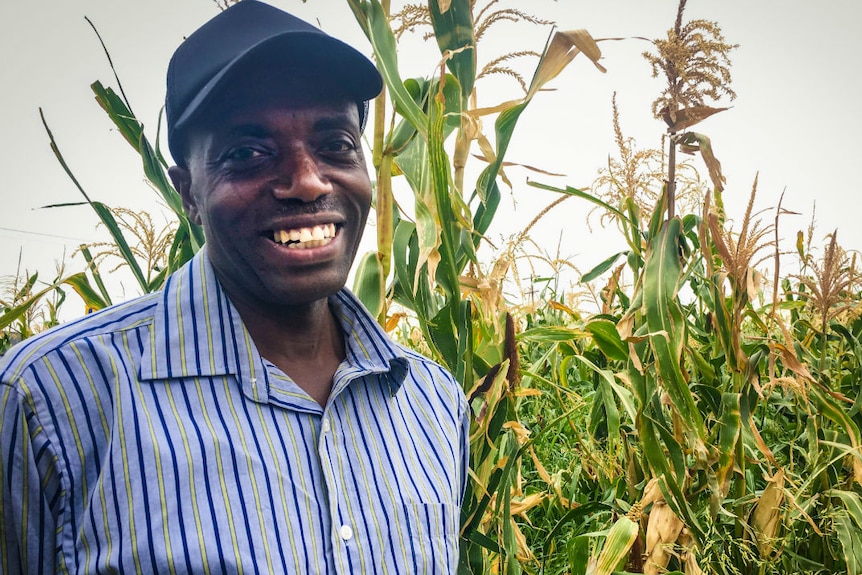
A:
x,y
29,484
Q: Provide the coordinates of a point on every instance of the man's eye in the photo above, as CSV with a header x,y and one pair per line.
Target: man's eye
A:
x,y
243,153
339,146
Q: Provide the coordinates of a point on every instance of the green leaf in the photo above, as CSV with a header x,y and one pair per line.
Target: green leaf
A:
x,y
602,267
662,272
551,334
453,30
82,287
608,339
376,26
850,537
369,283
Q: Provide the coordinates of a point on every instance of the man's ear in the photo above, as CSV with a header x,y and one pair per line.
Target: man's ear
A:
x,y
182,179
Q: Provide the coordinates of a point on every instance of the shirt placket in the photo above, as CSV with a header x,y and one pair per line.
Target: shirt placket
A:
x,y
329,451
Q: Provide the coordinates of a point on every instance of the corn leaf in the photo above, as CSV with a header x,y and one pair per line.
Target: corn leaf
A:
x,y
605,336
453,28
662,273
369,283
375,24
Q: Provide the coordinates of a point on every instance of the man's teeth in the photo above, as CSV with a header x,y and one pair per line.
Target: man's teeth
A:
x,y
305,238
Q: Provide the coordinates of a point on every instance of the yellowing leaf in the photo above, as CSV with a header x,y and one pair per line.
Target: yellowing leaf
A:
x,y
522,434
519,507
563,48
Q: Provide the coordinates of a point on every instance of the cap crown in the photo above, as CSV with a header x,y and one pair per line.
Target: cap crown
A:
x,y
248,29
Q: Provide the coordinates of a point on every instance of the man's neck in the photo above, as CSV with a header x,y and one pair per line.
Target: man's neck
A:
x,y
305,342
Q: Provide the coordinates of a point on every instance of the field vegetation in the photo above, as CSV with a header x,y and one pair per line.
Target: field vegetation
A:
x,y
702,417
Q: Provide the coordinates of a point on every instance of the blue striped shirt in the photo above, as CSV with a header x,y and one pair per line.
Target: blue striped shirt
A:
x,y
152,437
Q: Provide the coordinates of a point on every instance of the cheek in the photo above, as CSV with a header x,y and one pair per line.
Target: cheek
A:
x,y
220,207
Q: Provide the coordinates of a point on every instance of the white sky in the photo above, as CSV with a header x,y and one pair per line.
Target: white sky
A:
x,y
796,119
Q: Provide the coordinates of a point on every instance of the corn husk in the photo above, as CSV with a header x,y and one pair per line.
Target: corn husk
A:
x,y
766,516
616,548
663,529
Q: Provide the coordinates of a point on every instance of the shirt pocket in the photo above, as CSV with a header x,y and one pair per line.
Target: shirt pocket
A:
x,y
432,529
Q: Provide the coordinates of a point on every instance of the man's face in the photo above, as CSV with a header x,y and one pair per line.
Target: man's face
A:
x,y
277,177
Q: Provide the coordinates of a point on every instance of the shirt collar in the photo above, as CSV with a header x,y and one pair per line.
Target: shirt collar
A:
x,y
197,332
369,349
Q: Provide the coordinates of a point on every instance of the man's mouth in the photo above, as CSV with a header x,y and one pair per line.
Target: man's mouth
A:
x,y
305,238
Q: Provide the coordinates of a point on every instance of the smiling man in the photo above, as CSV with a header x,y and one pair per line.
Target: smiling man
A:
x,y
251,417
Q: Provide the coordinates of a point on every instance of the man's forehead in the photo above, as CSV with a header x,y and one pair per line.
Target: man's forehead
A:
x,y
270,113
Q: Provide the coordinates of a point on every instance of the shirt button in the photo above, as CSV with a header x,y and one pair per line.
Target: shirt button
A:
x,y
345,532
325,427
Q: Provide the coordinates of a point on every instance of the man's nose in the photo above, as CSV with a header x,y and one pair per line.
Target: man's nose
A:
x,y
301,178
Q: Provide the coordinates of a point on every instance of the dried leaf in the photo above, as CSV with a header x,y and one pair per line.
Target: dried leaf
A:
x,y
718,237
792,362
704,146
586,44
753,281
680,120
393,320
563,48
526,166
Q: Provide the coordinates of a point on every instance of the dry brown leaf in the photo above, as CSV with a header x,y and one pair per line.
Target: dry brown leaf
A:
x,y
393,320
586,44
562,307
761,444
652,493
525,554
479,112
791,362
526,166
680,120
543,473
753,281
703,145
561,51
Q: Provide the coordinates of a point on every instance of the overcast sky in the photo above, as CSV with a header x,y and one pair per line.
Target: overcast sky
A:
x,y
796,119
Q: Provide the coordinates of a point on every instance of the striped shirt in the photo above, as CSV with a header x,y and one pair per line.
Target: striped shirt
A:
x,y
152,437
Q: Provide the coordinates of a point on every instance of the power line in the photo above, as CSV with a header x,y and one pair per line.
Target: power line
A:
x,y
42,234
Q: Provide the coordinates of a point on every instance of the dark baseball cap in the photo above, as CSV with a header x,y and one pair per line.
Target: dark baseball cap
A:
x,y
250,29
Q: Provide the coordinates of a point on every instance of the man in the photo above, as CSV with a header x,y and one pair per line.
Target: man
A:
x,y
252,417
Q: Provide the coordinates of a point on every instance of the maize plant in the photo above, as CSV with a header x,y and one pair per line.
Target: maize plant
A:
x,y
436,273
